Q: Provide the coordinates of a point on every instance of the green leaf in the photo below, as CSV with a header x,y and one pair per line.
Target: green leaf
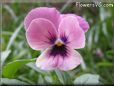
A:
x,y
13,37
25,79
65,5
32,66
90,37
40,79
48,79
102,14
7,81
87,79
4,56
60,76
104,64
63,77
110,53
11,68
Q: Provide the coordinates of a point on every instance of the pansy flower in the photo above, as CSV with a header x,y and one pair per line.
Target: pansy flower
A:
x,y
57,35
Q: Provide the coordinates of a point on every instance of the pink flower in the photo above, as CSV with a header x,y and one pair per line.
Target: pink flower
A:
x,y
57,35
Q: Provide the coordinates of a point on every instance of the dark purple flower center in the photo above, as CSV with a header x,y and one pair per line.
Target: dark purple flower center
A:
x,y
64,38
59,50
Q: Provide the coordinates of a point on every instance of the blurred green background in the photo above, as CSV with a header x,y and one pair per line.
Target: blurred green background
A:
x,y
18,58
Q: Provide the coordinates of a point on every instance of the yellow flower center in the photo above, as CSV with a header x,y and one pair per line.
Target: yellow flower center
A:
x,y
59,44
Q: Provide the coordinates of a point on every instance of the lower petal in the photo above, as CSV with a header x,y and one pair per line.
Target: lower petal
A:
x,y
47,62
71,62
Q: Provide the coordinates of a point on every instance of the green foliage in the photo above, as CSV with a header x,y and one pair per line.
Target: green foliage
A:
x,y
87,79
11,68
12,82
18,59
4,56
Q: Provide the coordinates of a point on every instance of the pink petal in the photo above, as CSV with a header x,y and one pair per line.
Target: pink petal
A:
x,y
82,22
39,33
42,12
70,27
72,61
47,62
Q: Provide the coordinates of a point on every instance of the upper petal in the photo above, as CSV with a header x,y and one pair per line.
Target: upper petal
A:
x,y
69,26
72,61
42,12
82,22
41,34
